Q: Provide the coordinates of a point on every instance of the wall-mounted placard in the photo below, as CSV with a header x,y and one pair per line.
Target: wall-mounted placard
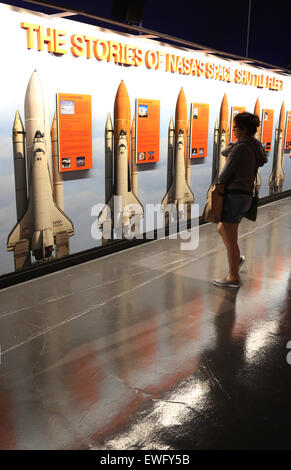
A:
x,y
234,111
147,116
288,131
199,130
74,132
267,128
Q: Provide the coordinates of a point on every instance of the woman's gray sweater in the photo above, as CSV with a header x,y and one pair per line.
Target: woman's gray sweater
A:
x,y
243,160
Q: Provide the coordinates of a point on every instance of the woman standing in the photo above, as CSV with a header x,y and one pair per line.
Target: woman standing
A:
x,y
238,175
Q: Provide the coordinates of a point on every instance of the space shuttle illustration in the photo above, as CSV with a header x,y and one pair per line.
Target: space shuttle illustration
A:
x,y
179,192
42,226
221,138
277,175
223,133
258,136
121,174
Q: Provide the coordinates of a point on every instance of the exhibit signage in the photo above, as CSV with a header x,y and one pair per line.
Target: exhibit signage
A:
x,y
267,128
58,42
288,131
234,111
74,131
199,130
147,130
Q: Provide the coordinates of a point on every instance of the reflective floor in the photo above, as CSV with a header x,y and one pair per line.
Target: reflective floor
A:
x,y
138,350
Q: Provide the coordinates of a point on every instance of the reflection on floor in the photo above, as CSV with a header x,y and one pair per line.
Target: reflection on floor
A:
x,y
139,351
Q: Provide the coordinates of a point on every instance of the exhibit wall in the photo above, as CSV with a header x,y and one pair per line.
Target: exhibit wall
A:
x,y
64,77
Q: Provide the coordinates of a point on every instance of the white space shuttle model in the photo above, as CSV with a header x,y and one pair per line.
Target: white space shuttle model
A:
x,y
41,226
121,177
277,176
123,202
179,192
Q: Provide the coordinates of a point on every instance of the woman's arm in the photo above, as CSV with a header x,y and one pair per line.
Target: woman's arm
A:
x,y
232,163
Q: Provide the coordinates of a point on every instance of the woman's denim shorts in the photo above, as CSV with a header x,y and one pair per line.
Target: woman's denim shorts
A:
x,y
235,206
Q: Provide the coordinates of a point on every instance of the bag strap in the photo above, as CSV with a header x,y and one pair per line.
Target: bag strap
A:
x,y
255,192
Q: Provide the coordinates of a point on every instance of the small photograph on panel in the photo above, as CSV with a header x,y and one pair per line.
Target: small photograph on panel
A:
x,y
67,107
80,161
201,151
141,156
195,113
66,163
194,152
143,110
266,115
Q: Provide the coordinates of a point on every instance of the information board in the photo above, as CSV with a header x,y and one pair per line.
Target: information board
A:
x,y
199,130
147,117
74,131
267,128
234,111
288,131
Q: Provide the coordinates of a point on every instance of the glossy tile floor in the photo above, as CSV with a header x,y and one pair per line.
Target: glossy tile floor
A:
x,y
139,350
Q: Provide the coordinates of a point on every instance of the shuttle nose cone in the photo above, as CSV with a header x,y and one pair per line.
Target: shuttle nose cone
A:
x,y
34,85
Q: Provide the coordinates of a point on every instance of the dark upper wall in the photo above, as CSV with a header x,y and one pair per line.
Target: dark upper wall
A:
x,y
219,25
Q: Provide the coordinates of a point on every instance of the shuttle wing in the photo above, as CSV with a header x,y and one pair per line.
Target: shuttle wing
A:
x,y
170,197
132,203
61,223
25,227
129,200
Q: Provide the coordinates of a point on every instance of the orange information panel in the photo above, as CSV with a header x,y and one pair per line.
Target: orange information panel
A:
x,y
147,118
74,131
234,111
267,131
288,131
199,130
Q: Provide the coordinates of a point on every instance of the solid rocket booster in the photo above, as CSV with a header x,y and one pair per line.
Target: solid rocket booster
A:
x,y
179,192
134,170
58,182
215,150
108,158
223,132
43,219
129,203
34,111
257,112
171,134
188,160
280,176
121,122
272,184
277,176
181,117
19,166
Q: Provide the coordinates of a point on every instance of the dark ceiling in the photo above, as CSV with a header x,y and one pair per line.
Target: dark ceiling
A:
x,y
218,25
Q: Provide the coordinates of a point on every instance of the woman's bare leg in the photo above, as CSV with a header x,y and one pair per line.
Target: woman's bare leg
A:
x,y
229,234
